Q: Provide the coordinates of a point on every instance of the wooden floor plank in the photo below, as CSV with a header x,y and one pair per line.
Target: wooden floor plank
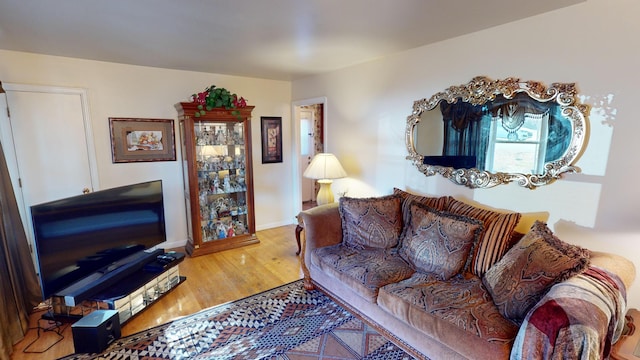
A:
x,y
212,279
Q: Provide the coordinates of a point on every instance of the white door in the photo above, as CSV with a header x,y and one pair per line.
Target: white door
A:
x,y
306,152
48,145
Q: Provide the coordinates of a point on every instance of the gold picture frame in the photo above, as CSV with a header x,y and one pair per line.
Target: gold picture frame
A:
x,y
142,140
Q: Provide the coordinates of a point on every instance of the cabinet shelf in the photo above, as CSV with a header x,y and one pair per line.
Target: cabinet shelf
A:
x,y
218,178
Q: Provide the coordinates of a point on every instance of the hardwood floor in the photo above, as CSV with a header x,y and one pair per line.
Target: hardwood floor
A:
x,y
306,205
211,280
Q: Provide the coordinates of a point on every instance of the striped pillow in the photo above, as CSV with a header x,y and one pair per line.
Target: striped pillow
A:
x,y
495,239
438,203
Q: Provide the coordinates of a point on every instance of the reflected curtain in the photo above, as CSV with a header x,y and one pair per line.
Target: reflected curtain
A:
x,y
467,127
559,137
559,128
466,130
20,290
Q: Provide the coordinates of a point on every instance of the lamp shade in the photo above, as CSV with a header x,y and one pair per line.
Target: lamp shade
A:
x,y
324,166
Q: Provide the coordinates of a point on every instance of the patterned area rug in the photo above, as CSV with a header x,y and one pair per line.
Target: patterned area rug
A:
x,y
287,322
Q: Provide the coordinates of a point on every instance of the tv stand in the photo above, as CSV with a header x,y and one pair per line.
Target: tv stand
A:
x,y
149,282
101,279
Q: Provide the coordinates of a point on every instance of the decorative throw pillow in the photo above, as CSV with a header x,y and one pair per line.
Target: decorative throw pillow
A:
x,y
495,239
438,242
438,203
371,222
525,273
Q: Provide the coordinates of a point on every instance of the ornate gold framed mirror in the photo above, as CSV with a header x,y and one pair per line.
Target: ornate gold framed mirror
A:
x,y
491,132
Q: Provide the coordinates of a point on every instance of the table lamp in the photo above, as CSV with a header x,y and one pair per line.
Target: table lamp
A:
x,y
324,167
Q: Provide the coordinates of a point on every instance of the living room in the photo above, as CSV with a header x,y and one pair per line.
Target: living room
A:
x,y
590,43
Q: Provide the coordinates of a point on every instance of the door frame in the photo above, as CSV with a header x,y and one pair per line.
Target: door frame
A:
x,y
297,171
7,140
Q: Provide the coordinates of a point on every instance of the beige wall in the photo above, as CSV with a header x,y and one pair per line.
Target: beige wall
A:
x,y
117,90
592,44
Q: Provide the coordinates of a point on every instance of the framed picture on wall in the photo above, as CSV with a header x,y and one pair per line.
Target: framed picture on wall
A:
x,y
137,140
271,139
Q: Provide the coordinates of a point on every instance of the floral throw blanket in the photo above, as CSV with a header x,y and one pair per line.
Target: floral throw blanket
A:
x,y
577,319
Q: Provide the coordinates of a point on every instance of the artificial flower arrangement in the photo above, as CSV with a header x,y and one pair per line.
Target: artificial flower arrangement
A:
x,y
215,97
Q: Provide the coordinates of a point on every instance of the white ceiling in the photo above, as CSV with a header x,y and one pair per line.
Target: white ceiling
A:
x,y
273,39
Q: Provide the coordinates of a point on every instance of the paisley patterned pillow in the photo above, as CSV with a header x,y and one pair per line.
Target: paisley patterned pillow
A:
x,y
525,273
371,222
438,242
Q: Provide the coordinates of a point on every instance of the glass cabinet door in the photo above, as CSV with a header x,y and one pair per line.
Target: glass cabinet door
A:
x,y
222,189
218,178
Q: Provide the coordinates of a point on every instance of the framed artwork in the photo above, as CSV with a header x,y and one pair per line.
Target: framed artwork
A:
x,y
271,139
138,140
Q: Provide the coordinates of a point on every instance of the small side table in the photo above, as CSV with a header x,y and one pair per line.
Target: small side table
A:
x,y
628,346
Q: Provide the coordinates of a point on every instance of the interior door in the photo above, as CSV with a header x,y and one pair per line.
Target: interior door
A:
x,y
317,107
306,152
48,143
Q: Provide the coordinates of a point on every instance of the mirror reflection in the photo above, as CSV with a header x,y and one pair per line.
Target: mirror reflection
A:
x,y
486,132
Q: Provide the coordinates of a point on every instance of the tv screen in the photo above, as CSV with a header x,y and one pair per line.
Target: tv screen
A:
x,y
77,236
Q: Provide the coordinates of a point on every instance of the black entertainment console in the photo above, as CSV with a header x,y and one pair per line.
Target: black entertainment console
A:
x,y
128,285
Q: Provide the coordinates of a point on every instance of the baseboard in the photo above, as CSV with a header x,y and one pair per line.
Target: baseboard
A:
x,y
181,243
275,224
173,244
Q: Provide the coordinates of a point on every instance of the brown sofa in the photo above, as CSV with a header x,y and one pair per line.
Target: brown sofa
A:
x,y
450,280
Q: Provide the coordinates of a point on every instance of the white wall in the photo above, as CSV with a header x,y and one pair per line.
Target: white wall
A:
x,y
592,44
117,90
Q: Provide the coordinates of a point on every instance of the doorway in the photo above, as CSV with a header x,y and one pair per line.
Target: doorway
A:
x,y
48,144
307,143
309,139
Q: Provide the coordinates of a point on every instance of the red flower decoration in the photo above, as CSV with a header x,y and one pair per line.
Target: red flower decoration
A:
x,y
239,102
200,98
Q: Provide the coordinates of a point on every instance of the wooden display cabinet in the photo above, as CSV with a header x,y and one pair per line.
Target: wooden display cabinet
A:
x,y
218,178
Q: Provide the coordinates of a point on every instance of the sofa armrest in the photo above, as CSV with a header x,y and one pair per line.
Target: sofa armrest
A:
x,y
578,318
616,264
322,227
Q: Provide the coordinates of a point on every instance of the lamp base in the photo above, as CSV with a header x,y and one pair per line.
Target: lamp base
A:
x,y
325,195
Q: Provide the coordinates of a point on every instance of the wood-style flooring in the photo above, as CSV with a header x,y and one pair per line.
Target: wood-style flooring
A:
x,y
211,280
306,205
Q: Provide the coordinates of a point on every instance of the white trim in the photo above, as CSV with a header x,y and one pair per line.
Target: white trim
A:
x,y
296,171
276,224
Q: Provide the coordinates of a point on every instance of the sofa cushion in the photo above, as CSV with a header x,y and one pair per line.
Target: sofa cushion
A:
x,y
495,239
456,311
438,203
363,270
530,268
438,242
371,222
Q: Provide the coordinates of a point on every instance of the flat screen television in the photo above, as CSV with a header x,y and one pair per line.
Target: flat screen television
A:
x,y
85,234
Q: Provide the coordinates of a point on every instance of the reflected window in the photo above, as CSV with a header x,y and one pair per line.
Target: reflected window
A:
x,y
517,142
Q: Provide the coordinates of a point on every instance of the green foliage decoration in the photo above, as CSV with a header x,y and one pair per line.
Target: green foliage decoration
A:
x,y
216,97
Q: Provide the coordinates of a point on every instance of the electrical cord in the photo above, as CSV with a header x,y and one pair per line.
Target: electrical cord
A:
x,y
56,326
53,326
